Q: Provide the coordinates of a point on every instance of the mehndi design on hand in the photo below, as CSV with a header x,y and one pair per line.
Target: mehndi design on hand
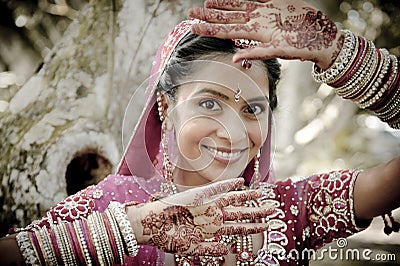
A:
x,y
288,29
184,229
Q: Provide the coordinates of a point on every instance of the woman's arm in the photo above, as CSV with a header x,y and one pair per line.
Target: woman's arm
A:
x,y
359,71
176,224
377,190
9,251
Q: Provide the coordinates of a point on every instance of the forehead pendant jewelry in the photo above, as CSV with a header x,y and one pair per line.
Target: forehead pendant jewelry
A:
x,y
246,64
237,94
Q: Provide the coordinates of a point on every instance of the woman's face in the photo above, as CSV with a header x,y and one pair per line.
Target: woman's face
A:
x,y
220,120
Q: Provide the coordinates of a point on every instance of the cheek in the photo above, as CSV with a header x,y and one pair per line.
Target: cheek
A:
x,y
190,135
257,133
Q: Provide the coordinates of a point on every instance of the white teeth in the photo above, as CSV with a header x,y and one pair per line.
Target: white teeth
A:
x,y
226,155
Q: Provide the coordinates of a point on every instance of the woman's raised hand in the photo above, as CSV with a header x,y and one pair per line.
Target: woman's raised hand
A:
x,y
288,29
181,223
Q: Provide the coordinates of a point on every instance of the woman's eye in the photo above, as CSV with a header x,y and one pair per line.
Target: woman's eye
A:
x,y
255,109
211,105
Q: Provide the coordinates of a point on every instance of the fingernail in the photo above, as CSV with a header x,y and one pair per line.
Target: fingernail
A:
x,y
208,4
194,12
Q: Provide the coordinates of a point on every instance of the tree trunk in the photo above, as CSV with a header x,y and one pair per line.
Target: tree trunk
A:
x,y
62,129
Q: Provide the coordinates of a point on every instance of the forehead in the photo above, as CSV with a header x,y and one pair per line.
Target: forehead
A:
x,y
253,82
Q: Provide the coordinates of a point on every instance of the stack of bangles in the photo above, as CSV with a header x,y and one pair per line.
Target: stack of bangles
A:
x,y
366,75
103,238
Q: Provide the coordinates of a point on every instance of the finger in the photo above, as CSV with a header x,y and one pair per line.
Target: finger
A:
x,y
213,249
226,31
263,52
246,213
242,229
218,16
232,5
214,190
200,195
222,186
238,198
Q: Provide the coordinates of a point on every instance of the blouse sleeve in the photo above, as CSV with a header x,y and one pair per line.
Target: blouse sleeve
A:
x,y
329,207
325,207
309,213
93,198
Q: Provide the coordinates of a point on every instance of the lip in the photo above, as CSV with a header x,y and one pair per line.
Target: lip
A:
x,y
224,155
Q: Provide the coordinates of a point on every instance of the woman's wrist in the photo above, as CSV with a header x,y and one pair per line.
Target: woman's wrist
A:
x,y
329,56
343,60
135,217
366,75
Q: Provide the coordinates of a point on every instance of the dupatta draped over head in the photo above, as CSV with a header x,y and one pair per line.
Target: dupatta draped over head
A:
x,y
143,154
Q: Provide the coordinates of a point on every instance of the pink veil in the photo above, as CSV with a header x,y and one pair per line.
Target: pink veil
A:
x,y
142,155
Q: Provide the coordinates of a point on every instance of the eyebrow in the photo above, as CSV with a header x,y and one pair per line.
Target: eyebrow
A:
x,y
213,92
257,99
225,97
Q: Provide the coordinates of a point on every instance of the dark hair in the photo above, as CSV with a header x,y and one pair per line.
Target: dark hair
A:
x,y
194,47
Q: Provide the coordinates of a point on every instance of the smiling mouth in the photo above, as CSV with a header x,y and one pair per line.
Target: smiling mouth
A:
x,y
225,156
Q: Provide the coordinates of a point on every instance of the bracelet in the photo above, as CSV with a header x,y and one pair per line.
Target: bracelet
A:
x,y
391,109
353,87
383,89
124,225
95,237
99,239
395,125
376,81
68,249
48,250
113,230
26,247
343,61
82,242
354,67
36,247
105,244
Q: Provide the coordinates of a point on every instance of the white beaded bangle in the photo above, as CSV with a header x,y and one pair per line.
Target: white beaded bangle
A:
x,y
128,235
344,59
26,248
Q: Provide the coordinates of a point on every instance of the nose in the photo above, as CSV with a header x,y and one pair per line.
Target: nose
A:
x,y
233,130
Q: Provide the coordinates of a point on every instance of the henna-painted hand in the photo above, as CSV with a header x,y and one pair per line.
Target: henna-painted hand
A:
x,y
287,29
181,223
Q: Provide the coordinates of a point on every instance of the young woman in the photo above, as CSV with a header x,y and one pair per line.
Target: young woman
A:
x,y
207,120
